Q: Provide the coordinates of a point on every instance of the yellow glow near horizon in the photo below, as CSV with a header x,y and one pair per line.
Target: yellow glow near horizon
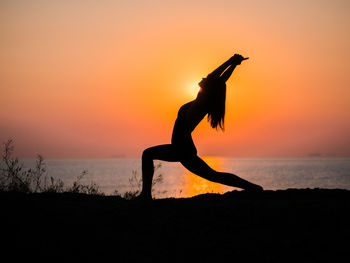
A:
x,y
195,185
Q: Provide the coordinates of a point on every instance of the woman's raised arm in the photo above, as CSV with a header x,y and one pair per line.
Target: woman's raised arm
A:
x,y
217,72
225,70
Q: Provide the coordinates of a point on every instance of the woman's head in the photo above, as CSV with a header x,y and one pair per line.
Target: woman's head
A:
x,y
215,92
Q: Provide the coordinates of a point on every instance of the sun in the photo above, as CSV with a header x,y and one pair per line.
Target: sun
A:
x,y
193,88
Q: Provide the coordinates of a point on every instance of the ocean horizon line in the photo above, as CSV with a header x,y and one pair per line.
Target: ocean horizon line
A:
x,y
202,156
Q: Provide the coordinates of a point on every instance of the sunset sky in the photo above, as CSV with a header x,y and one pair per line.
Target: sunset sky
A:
x,y
106,78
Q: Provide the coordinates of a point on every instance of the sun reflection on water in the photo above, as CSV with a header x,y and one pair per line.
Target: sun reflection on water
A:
x,y
195,185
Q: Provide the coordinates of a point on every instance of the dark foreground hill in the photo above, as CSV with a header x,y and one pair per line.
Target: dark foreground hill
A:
x,y
294,225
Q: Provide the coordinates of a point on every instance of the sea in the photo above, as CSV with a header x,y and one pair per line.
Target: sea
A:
x,y
119,175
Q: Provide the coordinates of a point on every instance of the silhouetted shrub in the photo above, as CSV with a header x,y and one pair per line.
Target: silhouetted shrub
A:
x,y
14,177
78,187
55,185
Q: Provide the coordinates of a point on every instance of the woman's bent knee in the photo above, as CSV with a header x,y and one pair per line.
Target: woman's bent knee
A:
x,y
147,154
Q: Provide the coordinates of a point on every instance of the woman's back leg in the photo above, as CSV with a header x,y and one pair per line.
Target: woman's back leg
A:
x,y
197,166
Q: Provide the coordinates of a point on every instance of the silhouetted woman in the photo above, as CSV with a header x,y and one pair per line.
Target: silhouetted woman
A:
x,y
210,101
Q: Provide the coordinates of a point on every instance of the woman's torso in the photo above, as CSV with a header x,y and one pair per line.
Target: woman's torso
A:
x,y
189,116
192,113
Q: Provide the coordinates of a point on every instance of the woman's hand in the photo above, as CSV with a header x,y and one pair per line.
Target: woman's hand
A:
x,y
237,59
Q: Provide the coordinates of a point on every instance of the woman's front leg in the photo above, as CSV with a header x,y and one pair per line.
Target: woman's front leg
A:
x,y
165,152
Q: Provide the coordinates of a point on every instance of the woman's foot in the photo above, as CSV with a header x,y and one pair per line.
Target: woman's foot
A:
x,y
254,188
144,197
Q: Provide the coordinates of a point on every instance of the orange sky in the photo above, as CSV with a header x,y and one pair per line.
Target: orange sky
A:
x,y
106,78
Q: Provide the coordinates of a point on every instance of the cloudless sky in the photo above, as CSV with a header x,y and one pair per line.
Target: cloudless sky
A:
x,y
106,78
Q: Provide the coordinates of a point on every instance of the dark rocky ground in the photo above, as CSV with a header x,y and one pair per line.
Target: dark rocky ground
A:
x,y
295,225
